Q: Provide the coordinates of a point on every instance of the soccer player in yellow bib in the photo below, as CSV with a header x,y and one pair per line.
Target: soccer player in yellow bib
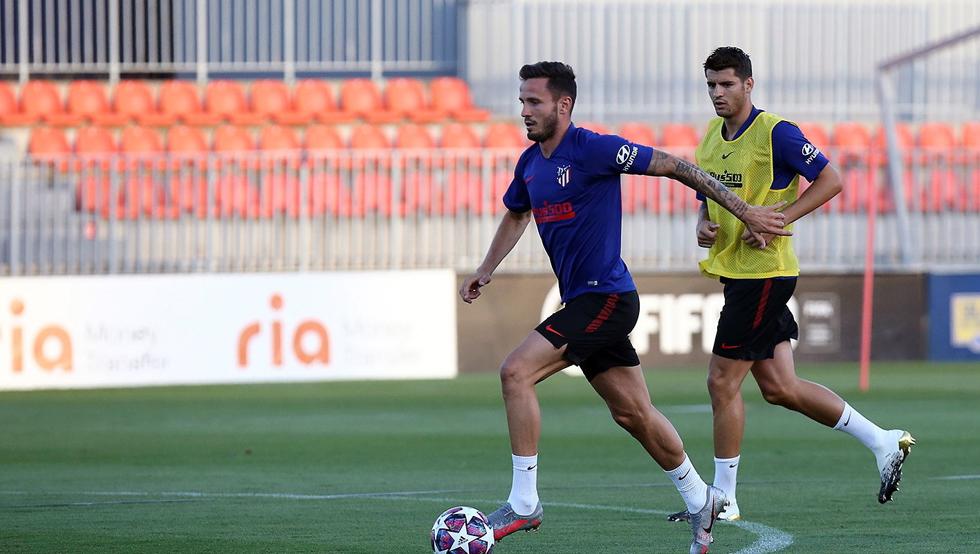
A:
x,y
760,156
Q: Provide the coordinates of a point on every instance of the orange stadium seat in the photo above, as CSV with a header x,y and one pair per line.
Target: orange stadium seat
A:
x,y
407,97
413,136
180,100
280,145
88,100
362,98
679,135
134,100
365,137
187,144
94,141
40,100
226,100
270,97
639,133
852,142
461,143
452,95
9,108
971,135
458,135
314,99
141,146
229,138
936,136
373,139
277,137
140,140
504,135
323,137
815,133
48,141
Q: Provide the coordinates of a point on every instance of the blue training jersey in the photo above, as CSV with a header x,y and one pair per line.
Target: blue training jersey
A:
x,y
576,200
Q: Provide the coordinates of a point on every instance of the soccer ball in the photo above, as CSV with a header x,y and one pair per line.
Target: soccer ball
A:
x,y
462,530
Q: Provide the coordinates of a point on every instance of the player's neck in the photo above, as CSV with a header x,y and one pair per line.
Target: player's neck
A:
x,y
735,122
549,146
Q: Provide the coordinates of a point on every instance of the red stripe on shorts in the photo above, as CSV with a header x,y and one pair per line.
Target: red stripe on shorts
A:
x,y
763,300
604,314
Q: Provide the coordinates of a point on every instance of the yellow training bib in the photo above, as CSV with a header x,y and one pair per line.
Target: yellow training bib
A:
x,y
744,165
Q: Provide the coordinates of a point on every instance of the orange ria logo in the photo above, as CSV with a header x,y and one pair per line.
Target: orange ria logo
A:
x,y
47,333
319,354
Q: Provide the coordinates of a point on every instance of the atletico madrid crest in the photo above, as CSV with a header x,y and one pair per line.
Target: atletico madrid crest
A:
x,y
564,175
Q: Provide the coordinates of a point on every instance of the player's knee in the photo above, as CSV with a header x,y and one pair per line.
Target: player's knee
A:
x,y
777,393
721,387
628,417
513,374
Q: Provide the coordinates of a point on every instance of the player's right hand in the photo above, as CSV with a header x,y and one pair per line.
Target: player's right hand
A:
x,y
707,233
470,289
765,219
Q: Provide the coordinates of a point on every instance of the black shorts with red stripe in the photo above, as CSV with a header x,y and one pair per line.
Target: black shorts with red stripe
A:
x,y
596,328
755,318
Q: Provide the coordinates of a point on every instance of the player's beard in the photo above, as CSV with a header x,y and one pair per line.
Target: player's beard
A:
x,y
546,128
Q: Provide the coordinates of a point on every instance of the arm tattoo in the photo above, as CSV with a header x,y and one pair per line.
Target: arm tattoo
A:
x,y
697,179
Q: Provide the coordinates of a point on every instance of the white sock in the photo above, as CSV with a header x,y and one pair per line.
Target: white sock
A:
x,y
693,489
854,424
524,488
726,475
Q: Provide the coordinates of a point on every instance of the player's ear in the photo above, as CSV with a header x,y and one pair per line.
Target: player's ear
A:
x,y
565,105
749,84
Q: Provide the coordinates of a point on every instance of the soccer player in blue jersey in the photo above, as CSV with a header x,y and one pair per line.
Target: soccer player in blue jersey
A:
x,y
568,182
762,156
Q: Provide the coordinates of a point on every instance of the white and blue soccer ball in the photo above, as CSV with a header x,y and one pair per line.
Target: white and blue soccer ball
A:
x,y
462,530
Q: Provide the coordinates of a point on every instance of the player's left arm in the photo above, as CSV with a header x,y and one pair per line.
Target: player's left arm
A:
x,y
794,154
827,185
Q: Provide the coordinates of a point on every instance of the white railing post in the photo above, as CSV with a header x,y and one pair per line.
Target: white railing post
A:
x,y
377,43
23,46
202,42
288,42
114,61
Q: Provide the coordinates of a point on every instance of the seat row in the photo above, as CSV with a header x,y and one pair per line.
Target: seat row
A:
x,y
454,192
223,101
851,139
184,139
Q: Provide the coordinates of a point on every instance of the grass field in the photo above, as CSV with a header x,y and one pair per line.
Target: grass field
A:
x,y
366,468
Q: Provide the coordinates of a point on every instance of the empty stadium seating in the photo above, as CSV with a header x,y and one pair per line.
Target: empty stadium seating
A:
x,y
269,129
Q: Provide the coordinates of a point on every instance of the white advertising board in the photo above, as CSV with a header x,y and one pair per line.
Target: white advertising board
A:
x,y
109,331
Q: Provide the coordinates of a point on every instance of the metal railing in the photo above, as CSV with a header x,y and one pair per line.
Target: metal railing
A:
x,y
337,210
811,60
243,37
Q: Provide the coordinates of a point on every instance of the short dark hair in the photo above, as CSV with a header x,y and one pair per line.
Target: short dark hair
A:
x,y
730,56
561,78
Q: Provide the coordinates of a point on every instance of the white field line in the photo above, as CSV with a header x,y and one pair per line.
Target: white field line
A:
x,y
769,539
